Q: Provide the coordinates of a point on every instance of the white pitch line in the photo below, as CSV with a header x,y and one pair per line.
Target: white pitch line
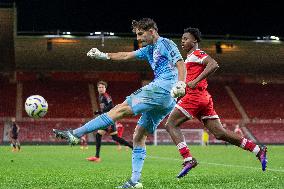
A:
x,y
219,164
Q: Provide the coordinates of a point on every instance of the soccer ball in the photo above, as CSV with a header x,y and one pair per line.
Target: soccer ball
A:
x,y
36,106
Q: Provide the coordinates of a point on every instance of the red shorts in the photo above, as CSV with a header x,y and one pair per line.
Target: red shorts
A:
x,y
197,103
120,131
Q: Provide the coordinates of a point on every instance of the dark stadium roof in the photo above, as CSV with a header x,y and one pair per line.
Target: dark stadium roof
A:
x,y
247,18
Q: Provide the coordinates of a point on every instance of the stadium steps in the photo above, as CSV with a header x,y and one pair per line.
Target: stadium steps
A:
x,y
260,100
223,103
237,103
268,133
245,118
249,134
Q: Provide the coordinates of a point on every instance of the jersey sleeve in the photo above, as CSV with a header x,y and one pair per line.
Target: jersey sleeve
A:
x,y
201,55
141,53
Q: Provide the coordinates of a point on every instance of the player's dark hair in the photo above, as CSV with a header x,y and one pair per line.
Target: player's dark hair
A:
x,y
195,32
144,24
102,83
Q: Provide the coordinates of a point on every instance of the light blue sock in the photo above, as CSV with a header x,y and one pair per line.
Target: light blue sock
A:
x,y
138,156
100,122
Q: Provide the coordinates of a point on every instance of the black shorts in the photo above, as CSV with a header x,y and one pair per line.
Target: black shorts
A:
x,y
110,129
15,137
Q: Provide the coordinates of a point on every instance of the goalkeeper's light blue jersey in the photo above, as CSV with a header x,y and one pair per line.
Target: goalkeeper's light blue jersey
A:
x,y
162,57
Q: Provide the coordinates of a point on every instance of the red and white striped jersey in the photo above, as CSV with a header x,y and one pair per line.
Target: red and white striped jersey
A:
x,y
195,66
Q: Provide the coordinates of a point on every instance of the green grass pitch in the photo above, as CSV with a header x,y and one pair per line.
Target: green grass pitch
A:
x,y
58,167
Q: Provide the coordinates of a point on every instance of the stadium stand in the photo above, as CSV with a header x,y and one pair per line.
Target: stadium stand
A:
x,y
267,133
120,89
69,102
223,104
65,98
261,101
7,99
68,93
195,124
42,130
1,132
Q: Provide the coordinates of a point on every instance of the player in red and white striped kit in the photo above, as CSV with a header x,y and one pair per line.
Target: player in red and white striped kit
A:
x,y
198,103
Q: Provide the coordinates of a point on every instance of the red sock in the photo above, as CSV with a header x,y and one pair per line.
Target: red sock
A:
x,y
250,146
184,151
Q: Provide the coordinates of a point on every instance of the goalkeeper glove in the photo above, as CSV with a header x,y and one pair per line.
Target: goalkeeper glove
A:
x,y
95,53
178,90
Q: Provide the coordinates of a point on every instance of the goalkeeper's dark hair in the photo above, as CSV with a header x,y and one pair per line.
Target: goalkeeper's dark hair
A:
x,y
195,32
144,24
102,83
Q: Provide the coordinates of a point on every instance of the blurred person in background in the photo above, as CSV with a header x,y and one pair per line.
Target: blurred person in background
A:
x,y
84,142
205,138
106,104
14,131
238,130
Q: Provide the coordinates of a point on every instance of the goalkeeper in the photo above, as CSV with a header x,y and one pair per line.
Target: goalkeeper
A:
x,y
153,101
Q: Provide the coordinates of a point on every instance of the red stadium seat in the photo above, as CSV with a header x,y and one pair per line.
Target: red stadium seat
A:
x,y
261,101
7,100
269,133
65,98
223,103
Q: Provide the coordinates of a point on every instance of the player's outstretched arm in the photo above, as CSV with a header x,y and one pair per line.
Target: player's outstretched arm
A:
x,y
211,67
122,56
97,54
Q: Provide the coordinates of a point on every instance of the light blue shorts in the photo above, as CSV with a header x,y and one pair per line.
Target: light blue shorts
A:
x,y
153,102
